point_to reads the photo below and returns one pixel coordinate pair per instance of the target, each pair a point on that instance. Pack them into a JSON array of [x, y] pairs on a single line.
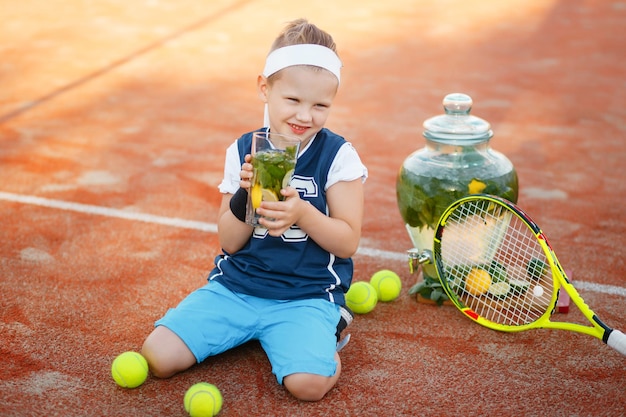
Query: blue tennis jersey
[[291, 266]]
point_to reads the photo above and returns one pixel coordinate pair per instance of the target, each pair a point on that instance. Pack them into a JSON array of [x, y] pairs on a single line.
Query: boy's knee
[[308, 387], [166, 354], [158, 366]]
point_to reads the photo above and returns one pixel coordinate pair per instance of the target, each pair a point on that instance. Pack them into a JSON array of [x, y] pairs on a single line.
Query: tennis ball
[[203, 400], [387, 285], [129, 369], [361, 297]]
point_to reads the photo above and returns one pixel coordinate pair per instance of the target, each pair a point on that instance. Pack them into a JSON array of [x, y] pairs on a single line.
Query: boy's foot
[[344, 321], [343, 343]]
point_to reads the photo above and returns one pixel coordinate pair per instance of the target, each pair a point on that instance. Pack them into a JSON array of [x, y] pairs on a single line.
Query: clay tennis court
[[114, 119]]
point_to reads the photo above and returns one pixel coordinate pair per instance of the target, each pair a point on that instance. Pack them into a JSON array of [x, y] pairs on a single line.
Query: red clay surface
[[126, 108]]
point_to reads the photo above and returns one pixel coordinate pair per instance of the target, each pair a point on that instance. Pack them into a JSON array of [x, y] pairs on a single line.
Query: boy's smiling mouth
[[297, 128]]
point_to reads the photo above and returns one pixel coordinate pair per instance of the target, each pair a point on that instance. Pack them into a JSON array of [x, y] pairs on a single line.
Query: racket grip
[[617, 340]]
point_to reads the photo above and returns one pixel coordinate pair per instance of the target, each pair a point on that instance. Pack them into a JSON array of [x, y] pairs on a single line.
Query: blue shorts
[[297, 336]]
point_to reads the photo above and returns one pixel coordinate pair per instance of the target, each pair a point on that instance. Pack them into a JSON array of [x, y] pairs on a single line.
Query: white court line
[[212, 228], [108, 212]]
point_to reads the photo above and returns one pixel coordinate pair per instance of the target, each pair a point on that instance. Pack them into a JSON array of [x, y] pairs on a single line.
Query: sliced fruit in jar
[[496, 270], [477, 282], [499, 289], [475, 186]]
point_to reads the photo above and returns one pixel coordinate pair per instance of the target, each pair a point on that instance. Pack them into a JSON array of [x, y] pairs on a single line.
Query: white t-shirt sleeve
[[346, 166], [232, 169]]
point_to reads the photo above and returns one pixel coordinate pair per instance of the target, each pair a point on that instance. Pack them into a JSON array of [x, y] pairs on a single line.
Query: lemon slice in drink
[[268, 195], [287, 178], [256, 195]]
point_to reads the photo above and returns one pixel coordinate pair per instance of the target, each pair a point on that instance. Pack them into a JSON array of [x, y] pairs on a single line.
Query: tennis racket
[[496, 265]]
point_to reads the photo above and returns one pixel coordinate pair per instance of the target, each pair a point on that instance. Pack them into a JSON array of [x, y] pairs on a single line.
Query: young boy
[[282, 282]]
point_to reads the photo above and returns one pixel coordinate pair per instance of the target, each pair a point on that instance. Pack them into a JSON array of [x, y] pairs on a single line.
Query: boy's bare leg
[[311, 387], [166, 353]]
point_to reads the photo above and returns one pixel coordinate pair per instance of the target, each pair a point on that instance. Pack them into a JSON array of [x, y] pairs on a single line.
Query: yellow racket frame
[[559, 278]]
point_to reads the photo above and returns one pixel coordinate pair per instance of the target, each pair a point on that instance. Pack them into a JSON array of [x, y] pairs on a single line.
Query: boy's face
[[299, 100]]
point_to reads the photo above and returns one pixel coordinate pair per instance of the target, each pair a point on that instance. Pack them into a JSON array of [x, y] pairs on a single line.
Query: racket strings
[[494, 264]]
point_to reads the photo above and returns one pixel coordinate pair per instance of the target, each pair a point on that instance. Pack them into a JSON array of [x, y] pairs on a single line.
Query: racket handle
[[617, 340]]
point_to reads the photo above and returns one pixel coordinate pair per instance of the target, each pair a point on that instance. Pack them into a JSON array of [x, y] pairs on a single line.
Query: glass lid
[[457, 125]]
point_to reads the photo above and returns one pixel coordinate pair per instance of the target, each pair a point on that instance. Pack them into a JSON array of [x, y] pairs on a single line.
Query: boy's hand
[[279, 216], [246, 173]]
